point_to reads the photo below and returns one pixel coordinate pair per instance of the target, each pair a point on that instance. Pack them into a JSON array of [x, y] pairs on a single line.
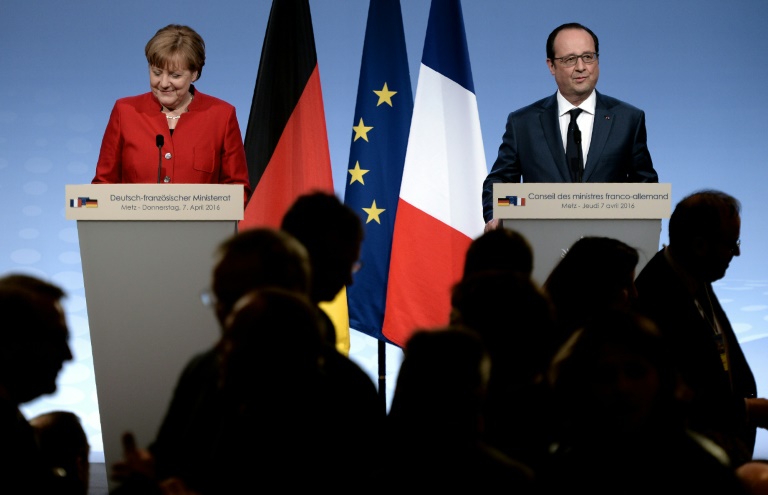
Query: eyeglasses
[[571, 60], [732, 246]]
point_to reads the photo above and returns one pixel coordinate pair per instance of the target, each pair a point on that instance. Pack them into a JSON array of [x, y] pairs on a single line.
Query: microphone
[[159, 141]]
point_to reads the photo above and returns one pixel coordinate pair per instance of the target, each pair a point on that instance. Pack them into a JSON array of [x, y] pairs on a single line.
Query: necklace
[[169, 116]]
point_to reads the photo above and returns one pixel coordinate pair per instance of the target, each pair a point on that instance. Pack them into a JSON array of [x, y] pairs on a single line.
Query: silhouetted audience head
[[271, 335], [37, 285], [35, 338], [597, 273], [434, 437], [65, 450], [510, 313], [499, 249], [704, 231], [615, 375], [754, 475], [622, 425], [442, 381], [256, 258], [282, 424], [332, 233]]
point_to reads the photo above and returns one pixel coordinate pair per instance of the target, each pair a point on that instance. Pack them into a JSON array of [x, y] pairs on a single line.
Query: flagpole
[[383, 373]]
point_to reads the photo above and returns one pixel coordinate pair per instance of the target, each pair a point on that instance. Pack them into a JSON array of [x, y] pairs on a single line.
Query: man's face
[[575, 83], [40, 359], [720, 249]]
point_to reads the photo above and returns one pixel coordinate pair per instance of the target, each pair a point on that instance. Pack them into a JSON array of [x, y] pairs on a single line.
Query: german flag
[[286, 142]]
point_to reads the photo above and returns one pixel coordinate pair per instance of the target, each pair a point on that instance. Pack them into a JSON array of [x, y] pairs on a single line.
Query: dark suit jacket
[[717, 408], [532, 147], [206, 147]]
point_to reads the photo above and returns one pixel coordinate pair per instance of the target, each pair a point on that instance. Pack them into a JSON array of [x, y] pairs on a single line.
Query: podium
[[554, 216], [147, 252]]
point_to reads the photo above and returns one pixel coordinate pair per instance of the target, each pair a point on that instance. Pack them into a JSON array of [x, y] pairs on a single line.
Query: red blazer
[[206, 146]]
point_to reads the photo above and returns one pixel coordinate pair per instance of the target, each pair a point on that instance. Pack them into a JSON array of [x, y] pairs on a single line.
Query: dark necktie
[[573, 152]]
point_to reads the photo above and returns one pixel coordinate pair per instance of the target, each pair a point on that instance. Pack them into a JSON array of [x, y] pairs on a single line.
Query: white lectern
[[147, 252], [554, 216]]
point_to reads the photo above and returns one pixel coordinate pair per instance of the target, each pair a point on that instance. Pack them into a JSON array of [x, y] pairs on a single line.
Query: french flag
[[439, 212]]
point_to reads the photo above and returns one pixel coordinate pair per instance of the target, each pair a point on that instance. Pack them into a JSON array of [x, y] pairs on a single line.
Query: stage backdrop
[[697, 67]]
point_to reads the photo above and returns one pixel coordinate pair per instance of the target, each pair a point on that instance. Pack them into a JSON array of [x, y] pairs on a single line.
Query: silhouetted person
[[65, 449], [434, 441], [516, 322], [499, 249], [675, 290], [621, 425], [283, 415], [248, 260], [595, 274], [34, 348], [332, 233]]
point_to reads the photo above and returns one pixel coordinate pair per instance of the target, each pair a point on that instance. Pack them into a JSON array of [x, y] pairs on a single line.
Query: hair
[[332, 233], [34, 284], [499, 249], [270, 330], [577, 365], [176, 43], [569, 25], [509, 311], [303, 220], [443, 377], [256, 258], [65, 448], [589, 277], [699, 213], [624, 327]]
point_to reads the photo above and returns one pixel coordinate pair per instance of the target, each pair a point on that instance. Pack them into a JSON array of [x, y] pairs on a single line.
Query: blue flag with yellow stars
[[380, 131]]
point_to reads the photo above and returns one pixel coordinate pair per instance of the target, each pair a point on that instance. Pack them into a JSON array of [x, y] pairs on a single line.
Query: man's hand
[[135, 462], [492, 225]]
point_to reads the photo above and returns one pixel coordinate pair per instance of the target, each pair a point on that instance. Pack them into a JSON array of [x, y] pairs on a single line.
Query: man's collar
[[588, 105]]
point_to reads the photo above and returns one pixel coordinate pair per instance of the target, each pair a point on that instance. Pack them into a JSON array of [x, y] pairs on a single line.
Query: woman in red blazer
[[174, 133]]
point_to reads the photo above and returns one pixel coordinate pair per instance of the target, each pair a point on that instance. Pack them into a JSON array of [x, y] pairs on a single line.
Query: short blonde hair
[[176, 42]]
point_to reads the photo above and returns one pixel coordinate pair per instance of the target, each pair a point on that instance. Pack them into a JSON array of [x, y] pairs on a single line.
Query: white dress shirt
[[585, 120]]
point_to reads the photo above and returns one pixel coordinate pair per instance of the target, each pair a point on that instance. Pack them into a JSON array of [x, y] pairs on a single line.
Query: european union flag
[[380, 128]]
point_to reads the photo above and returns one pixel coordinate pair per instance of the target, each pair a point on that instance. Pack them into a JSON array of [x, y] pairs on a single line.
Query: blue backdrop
[[64, 64]]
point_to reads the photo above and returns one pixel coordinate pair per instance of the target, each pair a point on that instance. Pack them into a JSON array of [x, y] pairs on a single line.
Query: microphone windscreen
[[159, 140]]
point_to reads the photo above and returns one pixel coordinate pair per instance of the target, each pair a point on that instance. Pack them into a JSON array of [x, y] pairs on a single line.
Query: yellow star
[[361, 131], [385, 95], [373, 213], [357, 174]]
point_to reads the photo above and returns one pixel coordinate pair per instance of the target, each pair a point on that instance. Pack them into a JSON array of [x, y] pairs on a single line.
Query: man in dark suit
[[533, 148], [675, 290], [35, 347]]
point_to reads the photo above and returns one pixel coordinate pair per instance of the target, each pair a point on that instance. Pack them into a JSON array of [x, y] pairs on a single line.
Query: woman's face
[[170, 84]]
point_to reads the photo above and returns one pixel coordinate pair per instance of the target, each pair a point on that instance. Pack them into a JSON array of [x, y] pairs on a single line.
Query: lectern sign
[[154, 202], [583, 200], [552, 216]]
